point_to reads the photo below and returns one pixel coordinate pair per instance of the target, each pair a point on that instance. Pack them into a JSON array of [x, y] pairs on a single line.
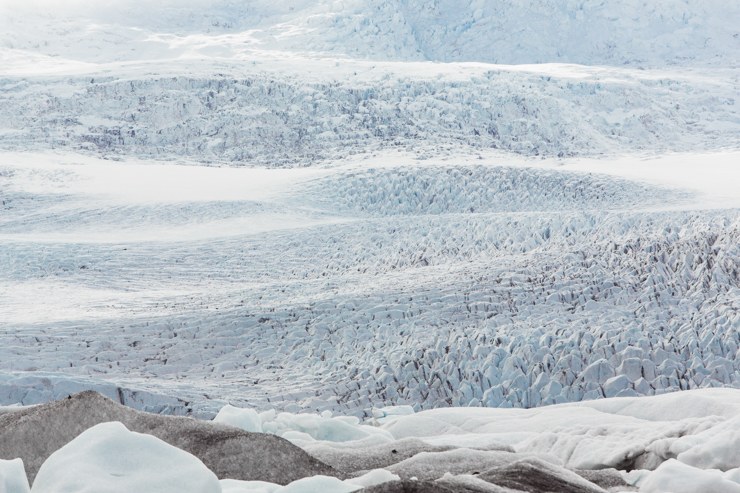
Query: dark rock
[[408, 486], [534, 475], [428, 466], [609, 479], [466, 483], [33, 434], [371, 457]]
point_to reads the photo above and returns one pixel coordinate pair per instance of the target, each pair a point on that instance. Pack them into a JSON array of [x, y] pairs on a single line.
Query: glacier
[[379, 220]]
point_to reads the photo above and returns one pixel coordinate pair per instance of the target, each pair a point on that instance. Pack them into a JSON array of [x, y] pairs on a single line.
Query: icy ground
[[689, 440], [268, 205], [682, 442], [316, 210], [382, 280]]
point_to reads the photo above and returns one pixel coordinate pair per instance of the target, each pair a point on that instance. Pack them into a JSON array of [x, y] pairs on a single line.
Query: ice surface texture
[[293, 83], [281, 119], [379, 277], [427, 241], [419, 285]]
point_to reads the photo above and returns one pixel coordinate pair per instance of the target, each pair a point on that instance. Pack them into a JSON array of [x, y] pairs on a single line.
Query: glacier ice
[[13, 477], [293, 218], [244, 418], [676, 477], [225, 450], [109, 457]]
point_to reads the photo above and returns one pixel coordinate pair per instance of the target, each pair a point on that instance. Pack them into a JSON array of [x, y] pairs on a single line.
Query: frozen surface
[[300, 83], [674, 477], [533, 473], [109, 457], [353, 218], [309, 112], [570, 445], [246, 419], [500, 282], [573, 447], [13, 477]]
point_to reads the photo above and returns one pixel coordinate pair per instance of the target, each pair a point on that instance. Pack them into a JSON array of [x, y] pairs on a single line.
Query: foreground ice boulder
[[675, 477], [108, 457], [35, 433], [13, 477]]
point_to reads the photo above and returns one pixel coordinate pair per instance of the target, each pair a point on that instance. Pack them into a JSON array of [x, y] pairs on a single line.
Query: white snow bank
[[674, 477], [244, 418], [716, 448], [109, 457], [596, 434], [13, 477]]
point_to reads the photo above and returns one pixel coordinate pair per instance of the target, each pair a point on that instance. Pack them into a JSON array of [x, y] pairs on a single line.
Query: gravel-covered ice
[[672, 442]]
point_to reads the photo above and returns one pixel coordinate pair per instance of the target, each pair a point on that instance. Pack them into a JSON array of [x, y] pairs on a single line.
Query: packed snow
[[502, 236]]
